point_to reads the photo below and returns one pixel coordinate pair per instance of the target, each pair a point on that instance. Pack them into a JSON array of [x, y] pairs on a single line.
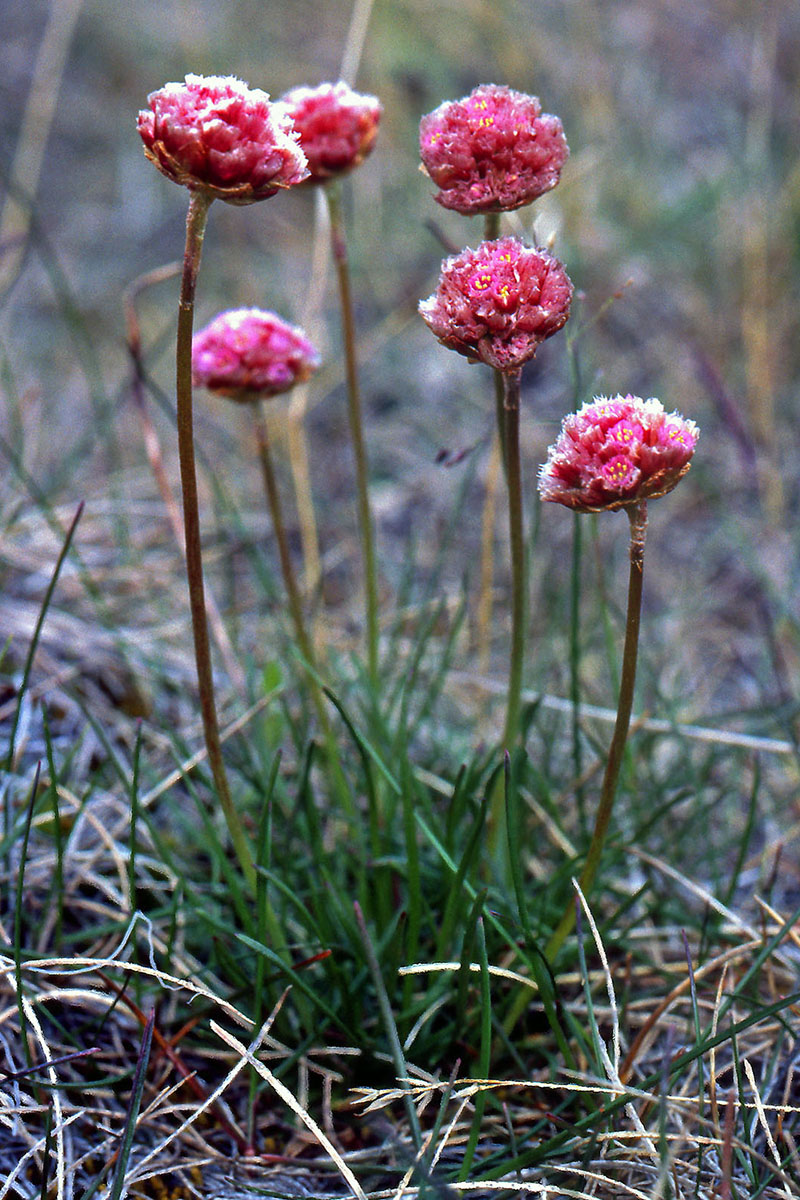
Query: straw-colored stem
[[297, 444], [637, 514], [296, 609], [195, 229], [287, 569], [339, 247], [279, 529]]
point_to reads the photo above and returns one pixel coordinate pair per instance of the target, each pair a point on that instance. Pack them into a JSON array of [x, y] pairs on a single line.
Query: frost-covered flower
[[247, 353], [215, 134], [499, 302], [614, 452], [337, 127], [493, 151]]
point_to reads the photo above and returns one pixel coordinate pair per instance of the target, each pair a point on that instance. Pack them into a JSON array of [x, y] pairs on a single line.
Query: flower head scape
[[615, 452], [247, 353], [337, 127], [499, 302], [493, 151], [215, 134]]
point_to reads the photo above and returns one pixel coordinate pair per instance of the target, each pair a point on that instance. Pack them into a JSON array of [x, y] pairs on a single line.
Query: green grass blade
[[26, 671], [389, 1026], [484, 1058], [129, 1130], [18, 910]]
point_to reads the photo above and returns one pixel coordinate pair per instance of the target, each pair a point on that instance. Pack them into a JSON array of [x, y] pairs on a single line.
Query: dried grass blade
[[248, 1058]]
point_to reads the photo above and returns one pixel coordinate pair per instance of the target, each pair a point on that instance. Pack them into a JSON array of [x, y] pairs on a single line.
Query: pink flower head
[[615, 452], [337, 127], [217, 135], [247, 353], [493, 151], [497, 303]]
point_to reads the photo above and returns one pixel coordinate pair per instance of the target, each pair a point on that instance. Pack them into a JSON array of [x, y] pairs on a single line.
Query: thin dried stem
[[339, 246]]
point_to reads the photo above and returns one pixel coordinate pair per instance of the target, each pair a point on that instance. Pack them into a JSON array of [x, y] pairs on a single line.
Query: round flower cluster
[[337, 127], [499, 302], [616, 452], [493, 151], [247, 353], [215, 134]]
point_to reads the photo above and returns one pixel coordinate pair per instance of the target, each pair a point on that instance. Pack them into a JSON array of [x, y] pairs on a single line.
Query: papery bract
[[499, 302], [217, 135], [247, 353], [615, 452], [337, 127], [493, 151]]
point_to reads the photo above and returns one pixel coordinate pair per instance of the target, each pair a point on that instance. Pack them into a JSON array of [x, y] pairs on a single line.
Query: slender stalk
[[500, 417], [574, 665], [511, 380], [279, 528], [297, 445], [297, 437], [637, 514], [156, 459], [491, 231], [516, 533], [296, 606], [195, 229], [339, 247], [287, 569], [491, 226], [484, 613]]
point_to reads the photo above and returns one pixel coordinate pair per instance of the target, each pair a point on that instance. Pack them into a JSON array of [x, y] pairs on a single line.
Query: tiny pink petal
[[337, 127], [498, 303], [616, 452], [217, 135], [493, 151], [246, 353]]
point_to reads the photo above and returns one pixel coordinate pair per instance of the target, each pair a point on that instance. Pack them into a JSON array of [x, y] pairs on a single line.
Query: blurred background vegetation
[[678, 218]]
